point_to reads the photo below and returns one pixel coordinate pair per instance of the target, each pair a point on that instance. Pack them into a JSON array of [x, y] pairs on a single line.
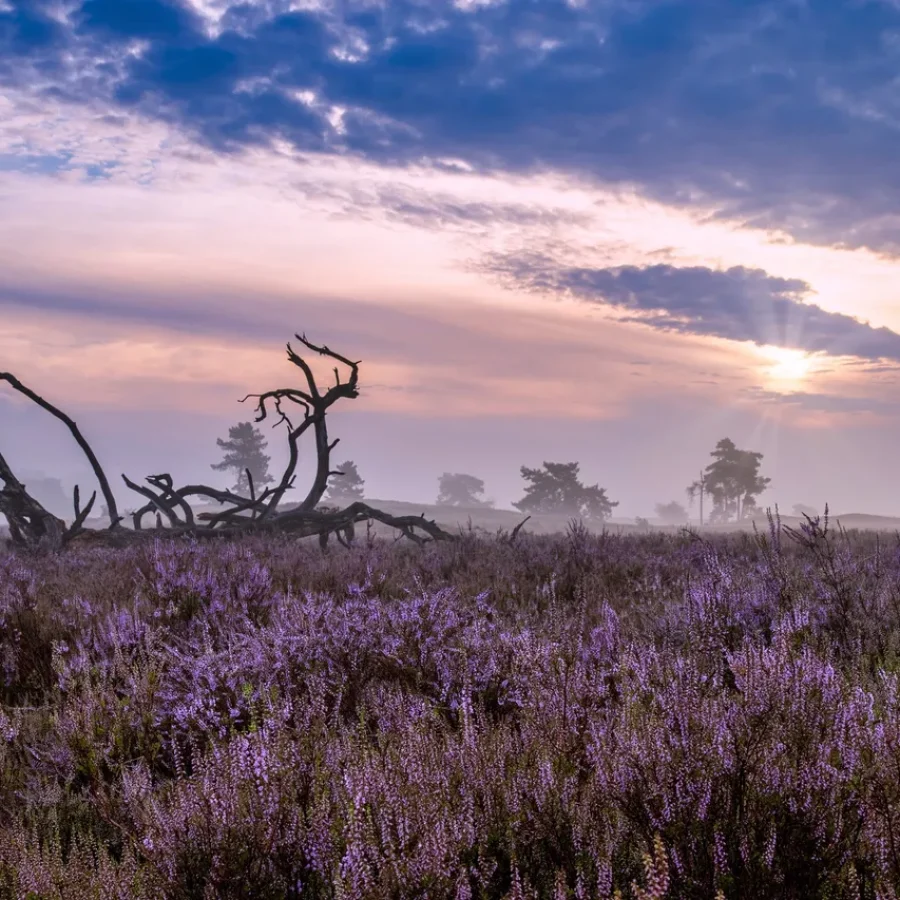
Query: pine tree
[[346, 488], [556, 489], [732, 481], [460, 490], [244, 450]]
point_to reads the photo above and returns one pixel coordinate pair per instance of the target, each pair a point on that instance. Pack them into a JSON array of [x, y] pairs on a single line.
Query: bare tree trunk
[[702, 486]]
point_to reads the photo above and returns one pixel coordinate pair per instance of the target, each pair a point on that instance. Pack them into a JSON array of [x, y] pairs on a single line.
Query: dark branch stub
[[30, 525], [33, 527]]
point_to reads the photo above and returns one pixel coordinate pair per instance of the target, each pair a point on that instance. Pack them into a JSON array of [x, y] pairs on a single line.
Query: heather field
[[568, 716]]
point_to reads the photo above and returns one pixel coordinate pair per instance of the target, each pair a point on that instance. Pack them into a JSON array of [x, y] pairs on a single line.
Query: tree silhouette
[[733, 481], [672, 513], [802, 509], [458, 489], [696, 488], [244, 450], [347, 486], [556, 489], [34, 528], [48, 492]]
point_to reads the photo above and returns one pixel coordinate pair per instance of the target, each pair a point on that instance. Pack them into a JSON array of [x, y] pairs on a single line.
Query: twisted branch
[[33, 526]]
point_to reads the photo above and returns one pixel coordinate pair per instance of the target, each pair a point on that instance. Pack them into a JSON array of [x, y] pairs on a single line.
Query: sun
[[788, 367]]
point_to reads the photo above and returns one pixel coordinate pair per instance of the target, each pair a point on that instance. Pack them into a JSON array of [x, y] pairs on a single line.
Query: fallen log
[[32, 527]]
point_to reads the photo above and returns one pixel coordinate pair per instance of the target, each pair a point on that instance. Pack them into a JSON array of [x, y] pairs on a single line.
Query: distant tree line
[[728, 487]]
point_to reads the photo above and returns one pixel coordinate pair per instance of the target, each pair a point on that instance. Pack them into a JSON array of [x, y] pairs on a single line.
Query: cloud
[[827, 403], [738, 304], [143, 308], [434, 210], [783, 115]]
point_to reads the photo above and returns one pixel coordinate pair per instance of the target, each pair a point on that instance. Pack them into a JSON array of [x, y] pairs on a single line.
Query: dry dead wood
[[33, 527]]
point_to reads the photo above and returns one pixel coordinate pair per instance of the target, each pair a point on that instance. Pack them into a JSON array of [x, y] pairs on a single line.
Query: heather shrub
[[577, 716]]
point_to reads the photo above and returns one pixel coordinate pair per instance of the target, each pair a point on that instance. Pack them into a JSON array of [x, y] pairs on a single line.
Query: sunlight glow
[[787, 367]]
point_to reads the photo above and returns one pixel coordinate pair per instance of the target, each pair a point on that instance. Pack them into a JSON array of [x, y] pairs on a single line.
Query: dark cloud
[[738, 304], [781, 113], [149, 19]]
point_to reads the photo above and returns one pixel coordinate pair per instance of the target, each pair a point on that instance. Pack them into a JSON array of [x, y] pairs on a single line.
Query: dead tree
[[33, 527]]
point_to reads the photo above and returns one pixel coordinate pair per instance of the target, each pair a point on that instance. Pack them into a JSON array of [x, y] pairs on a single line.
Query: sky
[[610, 232]]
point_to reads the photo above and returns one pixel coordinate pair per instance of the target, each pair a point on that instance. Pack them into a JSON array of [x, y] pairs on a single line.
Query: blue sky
[[612, 232]]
